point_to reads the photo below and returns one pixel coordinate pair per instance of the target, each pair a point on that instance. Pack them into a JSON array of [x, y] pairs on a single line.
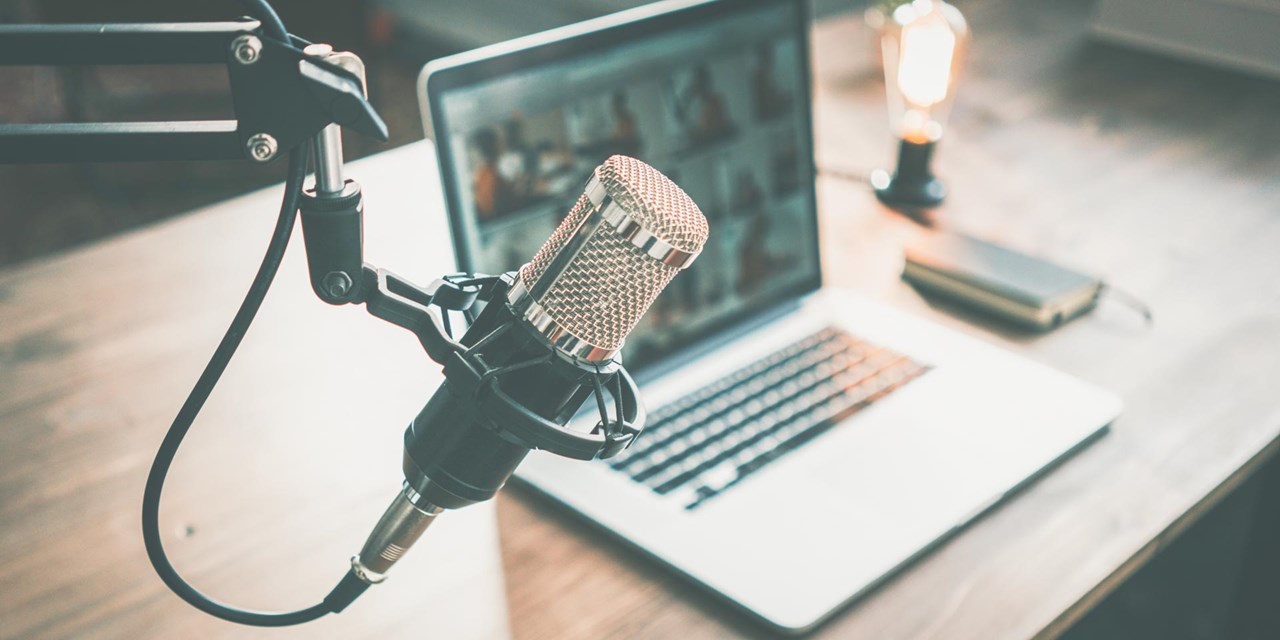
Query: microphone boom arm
[[282, 96]]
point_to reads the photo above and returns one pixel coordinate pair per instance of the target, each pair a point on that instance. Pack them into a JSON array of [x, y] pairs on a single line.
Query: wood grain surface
[[1158, 175]]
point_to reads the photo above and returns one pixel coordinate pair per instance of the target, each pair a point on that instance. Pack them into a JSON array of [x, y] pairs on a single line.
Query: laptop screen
[[718, 102]]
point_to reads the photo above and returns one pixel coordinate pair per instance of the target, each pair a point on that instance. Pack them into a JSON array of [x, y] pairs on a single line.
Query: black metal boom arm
[[281, 95]]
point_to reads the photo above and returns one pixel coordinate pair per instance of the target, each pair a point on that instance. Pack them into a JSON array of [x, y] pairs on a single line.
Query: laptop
[[803, 443]]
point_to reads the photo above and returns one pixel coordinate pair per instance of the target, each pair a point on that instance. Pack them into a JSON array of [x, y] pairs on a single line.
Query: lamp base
[[912, 187], [897, 193]]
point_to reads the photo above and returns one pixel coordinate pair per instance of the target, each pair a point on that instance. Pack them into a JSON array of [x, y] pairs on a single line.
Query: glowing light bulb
[[923, 42], [924, 67]]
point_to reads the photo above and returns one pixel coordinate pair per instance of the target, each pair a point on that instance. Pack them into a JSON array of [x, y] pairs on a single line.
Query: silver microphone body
[[540, 348]]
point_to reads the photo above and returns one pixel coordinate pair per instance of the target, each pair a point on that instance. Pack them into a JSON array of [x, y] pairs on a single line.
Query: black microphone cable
[[350, 587], [270, 20]]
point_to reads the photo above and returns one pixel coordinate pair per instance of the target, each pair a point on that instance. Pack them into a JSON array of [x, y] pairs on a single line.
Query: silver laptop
[[802, 443]]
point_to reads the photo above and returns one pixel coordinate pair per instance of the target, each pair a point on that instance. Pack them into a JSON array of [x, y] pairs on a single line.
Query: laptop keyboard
[[709, 440]]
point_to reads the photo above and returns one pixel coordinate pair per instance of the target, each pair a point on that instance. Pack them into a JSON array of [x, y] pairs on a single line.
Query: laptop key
[[707, 441]]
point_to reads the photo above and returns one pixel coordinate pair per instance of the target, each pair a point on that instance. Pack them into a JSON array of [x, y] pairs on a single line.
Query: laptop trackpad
[[918, 476]]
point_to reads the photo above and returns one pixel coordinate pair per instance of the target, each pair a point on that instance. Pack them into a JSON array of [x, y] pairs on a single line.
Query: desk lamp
[[924, 43]]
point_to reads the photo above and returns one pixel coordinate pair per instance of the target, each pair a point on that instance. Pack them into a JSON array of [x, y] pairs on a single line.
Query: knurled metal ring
[[631, 230]]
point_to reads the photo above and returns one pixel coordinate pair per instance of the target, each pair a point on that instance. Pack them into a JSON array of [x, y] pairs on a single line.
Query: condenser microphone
[[547, 341]]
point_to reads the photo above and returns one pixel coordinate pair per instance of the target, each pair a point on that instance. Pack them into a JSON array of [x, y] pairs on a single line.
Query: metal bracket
[[424, 310], [281, 96]]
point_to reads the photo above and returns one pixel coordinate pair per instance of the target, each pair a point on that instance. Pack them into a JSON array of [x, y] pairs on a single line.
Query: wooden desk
[[1158, 175]]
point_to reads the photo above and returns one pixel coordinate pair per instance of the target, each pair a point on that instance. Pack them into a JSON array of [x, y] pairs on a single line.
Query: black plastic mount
[[333, 230], [426, 312], [611, 435], [277, 91]]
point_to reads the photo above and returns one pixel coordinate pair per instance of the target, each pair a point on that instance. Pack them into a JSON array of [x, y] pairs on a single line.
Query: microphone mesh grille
[[534, 269], [603, 292], [657, 203]]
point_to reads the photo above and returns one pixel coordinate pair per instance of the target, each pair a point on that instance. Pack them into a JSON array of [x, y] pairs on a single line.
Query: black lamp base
[[901, 194], [912, 187]]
